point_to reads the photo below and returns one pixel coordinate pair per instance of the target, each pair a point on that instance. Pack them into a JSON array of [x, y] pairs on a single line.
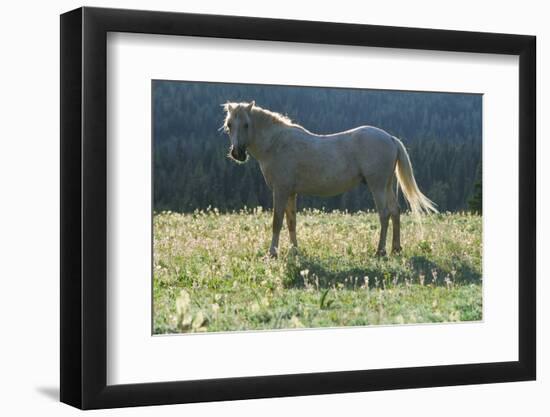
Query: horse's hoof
[[380, 253], [293, 250], [396, 251], [271, 255]]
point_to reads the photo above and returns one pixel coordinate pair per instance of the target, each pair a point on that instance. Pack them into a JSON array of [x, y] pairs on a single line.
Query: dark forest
[[442, 132]]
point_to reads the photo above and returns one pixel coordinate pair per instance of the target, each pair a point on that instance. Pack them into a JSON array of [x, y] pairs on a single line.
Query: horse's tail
[[419, 202]]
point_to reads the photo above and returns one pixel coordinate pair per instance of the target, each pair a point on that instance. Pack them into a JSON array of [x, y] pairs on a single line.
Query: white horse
[[295, 161]]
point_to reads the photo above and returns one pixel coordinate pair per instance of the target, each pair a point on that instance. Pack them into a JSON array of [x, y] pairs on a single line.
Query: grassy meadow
[[211, 273]]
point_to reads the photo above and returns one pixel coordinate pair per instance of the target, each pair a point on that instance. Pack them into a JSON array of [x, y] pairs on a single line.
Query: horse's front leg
[[290, 213], [280, 199]]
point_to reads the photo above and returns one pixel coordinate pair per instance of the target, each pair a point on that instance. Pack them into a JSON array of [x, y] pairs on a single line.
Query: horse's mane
[[263, 116], [271, 116]]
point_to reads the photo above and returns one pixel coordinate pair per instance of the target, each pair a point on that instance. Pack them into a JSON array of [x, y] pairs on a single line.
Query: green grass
[[211, 272]]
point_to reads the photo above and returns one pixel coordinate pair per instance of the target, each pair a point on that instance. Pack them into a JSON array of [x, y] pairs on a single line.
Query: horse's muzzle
[[238, 153]]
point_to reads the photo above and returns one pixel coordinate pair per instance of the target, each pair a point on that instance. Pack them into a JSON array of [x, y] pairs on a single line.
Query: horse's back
[[373, 135], [367, 149], [363, 142], [331, 164]]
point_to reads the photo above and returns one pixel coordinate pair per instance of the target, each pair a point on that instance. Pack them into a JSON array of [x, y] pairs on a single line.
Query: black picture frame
[[84, 207]]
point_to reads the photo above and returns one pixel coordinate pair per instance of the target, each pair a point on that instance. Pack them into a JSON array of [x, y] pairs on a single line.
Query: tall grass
[[211, 273]]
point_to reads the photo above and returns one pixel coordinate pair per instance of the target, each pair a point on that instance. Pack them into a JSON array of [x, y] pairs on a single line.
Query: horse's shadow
[[302, 269]]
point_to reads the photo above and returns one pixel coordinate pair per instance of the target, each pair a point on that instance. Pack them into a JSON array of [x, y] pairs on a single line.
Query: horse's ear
[[229, 107], [250, 105]]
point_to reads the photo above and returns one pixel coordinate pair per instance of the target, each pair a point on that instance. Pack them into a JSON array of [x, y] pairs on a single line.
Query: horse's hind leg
[[290, 213], [393, 207], [380, 199]]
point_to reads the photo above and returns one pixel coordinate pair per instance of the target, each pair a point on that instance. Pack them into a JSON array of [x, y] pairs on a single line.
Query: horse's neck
[[264, 140]]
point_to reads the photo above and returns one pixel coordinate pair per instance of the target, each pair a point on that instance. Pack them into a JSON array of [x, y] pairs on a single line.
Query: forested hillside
[[441, 131]]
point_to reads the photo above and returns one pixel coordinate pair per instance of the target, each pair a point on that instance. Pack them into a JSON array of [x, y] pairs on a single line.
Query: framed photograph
[[256, 208]]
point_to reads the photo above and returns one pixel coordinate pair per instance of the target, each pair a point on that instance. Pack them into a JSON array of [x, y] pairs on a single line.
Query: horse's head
[[238, 126]]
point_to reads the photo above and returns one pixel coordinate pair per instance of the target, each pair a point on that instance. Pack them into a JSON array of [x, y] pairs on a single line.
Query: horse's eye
[[229, 125], [246, 125]]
